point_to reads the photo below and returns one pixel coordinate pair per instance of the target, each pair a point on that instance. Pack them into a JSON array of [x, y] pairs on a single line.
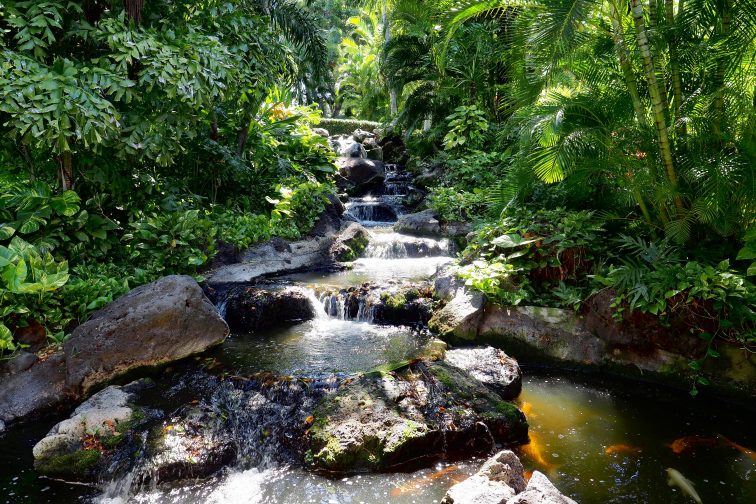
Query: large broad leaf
[[14, 276], [751, 270], [747, 252], [512, 240], [6, 231], [6, 338]]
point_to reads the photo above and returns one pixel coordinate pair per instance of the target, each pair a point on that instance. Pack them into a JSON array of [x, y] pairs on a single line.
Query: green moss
[[111, 441], [442, 376], [77, 464], [394, 301], [354, 249]]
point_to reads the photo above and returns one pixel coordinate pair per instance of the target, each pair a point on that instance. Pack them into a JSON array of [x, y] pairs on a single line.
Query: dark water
[[599, 443]]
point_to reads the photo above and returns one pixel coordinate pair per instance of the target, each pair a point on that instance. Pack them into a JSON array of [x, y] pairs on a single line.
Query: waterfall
[[357, 306], [397, 246]]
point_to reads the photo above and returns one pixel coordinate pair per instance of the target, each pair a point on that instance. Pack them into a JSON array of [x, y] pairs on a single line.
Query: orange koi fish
[[683, 444], [740, 448], [415, 485], [527, 410], [622, 448], [534, 451]]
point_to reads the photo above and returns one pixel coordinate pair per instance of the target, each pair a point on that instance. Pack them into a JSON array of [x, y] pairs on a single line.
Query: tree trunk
[[652, 11], [133, 10], [66, 171], [665, 146], [719, 77], [627, 68], [674, 63], [393, 94], [214, 126], [243, 134]]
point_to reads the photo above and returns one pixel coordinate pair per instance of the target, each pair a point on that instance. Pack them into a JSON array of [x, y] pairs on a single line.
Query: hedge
[[346, 126]]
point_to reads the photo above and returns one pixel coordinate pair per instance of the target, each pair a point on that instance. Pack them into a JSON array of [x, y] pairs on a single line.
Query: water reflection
[[615, 447]]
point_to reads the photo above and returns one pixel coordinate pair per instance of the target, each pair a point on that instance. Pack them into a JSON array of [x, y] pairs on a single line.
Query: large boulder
[[250, 309], [460, 318], [34, 386], [348, 147], [501, 481], [409, 418], [74, 447], [351, 242], [357, 175], [557, 333], [277, 255], [491, 367], [423, 223], [160, 322]]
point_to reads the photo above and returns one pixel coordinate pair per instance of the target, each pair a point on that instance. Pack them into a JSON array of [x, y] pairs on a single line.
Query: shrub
[[347, 126]]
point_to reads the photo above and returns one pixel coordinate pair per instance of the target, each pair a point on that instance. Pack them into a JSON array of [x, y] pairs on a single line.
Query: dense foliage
[[136, 136], [595, 145]]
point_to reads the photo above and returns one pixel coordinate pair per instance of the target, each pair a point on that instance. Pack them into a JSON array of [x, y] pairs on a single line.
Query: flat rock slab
[[491, 367], [410, 418], [423, 223], [160, 322]]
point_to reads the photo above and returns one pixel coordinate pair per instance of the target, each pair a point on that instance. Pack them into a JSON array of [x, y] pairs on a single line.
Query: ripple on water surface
[[320, 346]]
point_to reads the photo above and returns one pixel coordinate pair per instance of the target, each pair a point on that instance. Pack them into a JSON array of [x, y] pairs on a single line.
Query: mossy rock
[[80, 465], [409, 418]]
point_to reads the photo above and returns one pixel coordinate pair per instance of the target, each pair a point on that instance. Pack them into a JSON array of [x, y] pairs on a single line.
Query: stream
[[598, 441]]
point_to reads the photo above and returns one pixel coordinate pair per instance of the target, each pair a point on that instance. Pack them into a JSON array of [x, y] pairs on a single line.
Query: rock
[[20, 362], [361, 135], [423, 223], [478, 489], [375, 154], [457, 229], [273, 257], [461, 317], [193, 445], [357, 175], [491, 367], [351, 243], [446, 283], [394, 150], [403, 307], [347, 147], [250, 309], [372, 149], [62, 452], [401, 420], [505, 467], [34, 390], [160, 322], [501, 481], [540, 491], [370, 143], [321, 132], [429, 177], [557, 333], [277, 255], [374, 211], [2, 427], [33, 337]]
